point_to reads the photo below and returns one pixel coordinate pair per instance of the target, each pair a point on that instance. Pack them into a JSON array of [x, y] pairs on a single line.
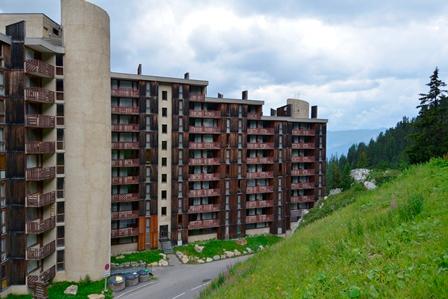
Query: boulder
[[163, 263], [261, 247], [223, 256], [154, 264], [184, 259], [335, 191], [359, 174], [249, 250], [179, 254], [71, 290], [236, 252], [216, 258], [229, 253], [241, 242], [200, 261], [198, 248], [208, 260], [369, 185], [119, 257], [96, 296]]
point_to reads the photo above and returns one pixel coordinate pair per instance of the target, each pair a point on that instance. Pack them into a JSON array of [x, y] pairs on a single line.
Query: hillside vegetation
[[388, 243]]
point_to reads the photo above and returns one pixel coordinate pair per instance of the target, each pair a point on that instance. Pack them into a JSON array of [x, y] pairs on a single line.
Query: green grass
[[12, 296], [391, 242], [56, 290], [148, 256], [217, 247]]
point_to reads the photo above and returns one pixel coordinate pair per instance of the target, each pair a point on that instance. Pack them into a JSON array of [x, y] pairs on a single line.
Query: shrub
[[412, 207]]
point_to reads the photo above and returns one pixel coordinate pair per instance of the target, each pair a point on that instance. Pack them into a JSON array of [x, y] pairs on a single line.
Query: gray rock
[[369, 185], [208, 260], [198, 248], [96, 296], [71, 290], [335, 191], [216, 258], [360, 174], [200, 261]]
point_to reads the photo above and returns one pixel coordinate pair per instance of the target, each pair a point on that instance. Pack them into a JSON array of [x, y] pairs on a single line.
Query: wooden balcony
[[204, 130], [197, 97], [255, 204], [307, 185], [256, 145], [38, 68], [203, 209], [198, 224], [205, 114], [259, 218], [302, 199], [40, 226], [204, 161], [303, 132], [303, 145], [40, 173], [39, 121], [259, 175], [39, 95], [303, 159], [40, 147], [44, 277], [204, 177], [125, 110], [125, 145], [253, 115], [125, 180], [125, 92], [126, 163], [204, 145], [124, 215], [302, 172], [124, 232], [37, 200], [204, 193], [40, 252], [129, 197], [125, 128], [259, 189], [260, 131], [259, 160]]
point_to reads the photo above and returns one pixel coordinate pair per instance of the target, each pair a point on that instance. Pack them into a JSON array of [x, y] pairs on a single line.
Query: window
[[2, 84], [181, 92], [164, 95], [60, 260], [148, 89], [164, 112], [60, 110], [163, 194], [163, 177], [164, 145], [164, 129], [163, 161], [163, 211]]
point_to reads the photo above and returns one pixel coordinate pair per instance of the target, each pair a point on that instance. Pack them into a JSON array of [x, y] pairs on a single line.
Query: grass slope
[[388, 243], [148, 256]]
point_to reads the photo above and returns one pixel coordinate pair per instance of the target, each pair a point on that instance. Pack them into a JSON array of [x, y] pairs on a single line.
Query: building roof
[[233, 101], [114, 75], [31, 13], [293, 119], [4, 38]]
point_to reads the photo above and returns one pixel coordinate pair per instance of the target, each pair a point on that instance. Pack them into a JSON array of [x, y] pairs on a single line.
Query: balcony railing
[[40, 252], [259, 189], [303, 132], [204, 177], [253, 115], [124, 232], [39, 95], [204, 193], [204, 161], [203, 209], [126, 163], [39, 121], [254, 204], [38, 200], [125, 128], [40, 147], [197, 97], [125, 145], [204, 130], [205, 114], [259, 160], [125, 92], [307, 185], [301, 172], [260, 131], [44, 277], [204, 145], [125, 180], [259, 175], [125, 110], [39, 68], [198, 224], [40, 226], [303, 159], [255, 145], [129, 197], [303, 198], [40, 174], [303, 145], [259, 218], [124, 215]]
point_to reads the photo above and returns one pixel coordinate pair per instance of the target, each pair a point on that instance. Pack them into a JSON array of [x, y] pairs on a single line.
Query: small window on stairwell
[[163, 211], [164, 95], [163, 194]]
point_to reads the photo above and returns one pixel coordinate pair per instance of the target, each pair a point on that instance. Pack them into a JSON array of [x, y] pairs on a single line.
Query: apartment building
[[94, 163]]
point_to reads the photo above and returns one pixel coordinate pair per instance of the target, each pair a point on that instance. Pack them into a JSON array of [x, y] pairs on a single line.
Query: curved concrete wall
[[87, 139], [300, 108]]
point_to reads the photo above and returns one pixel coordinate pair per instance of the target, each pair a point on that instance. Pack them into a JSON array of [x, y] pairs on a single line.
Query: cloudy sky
[[362, 61]]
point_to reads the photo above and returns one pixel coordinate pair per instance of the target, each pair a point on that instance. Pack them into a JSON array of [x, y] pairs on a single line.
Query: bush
[[412, 207]]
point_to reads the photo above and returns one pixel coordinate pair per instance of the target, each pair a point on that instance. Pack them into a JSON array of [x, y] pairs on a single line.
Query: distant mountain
[[338, 142]]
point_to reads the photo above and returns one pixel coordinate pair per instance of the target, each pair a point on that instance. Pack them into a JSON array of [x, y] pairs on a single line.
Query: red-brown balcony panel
[[302, 172], [307, 185], [39, 121], [253, 115], [205, 114], [259, 160], [125, 145], [39, 95], [124, 232], [198, 224], [204, 145], [124, 110], [40, 173], [44, 277], [259, 175], [303, 159], [125, 180], [125, 128], [204, 193], [256, 145], [37, 200], [197, 97], [40, 147], [124, 215], [129, 197], [203, 209], [255, 204], [204, 177], [38, 68], [259, 189], [204, 161], [40, 226], [303, 145], [40, 252], [303, 132], [126, 163], [204, 130], [259, 218], [260, 131], [303, 198], [125, 92]]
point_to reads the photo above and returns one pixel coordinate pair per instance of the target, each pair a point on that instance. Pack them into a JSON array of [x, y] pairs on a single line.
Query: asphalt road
[[178, 281]]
